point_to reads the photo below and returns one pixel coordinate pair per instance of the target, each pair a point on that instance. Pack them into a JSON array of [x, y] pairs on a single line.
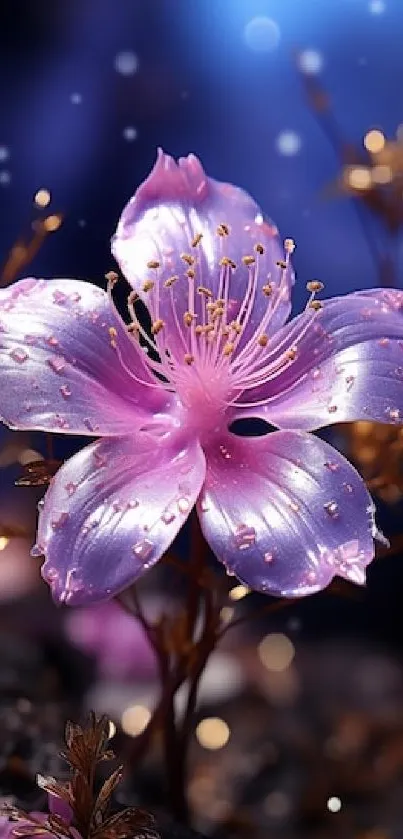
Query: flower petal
[[60, 366], [112, 511], [174, 205], [348, 365], [286, 512]]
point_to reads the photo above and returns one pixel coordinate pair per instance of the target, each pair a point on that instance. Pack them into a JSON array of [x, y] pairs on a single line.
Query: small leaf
[[104, 796]]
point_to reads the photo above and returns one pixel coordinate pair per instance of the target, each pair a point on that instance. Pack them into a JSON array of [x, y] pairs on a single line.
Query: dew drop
[[58, 363], [65, 390], [19, 355], [132, 505], [348, 487], [143, 550], [59, 297], [268, 557], [52, 341], [293, 505], [332, 509], [60, 521], [245, 537], [183, 504], [71, 488], [333, 467], [168, 516]]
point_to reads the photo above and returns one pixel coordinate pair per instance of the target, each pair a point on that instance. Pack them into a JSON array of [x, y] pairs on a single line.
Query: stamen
[[170, 281], [315, 304], [191, 273], [153, 264], [315, 285], [188, 318], [197, 239], [157, 326], [263, 340], [148, 285], [201, 289], [225, 260], [248, 260], [113, 335], [259, 248], [223, 230], [189, 358], [267, 289], [112, 278], [289, 246], [188, 258], [228, 348]]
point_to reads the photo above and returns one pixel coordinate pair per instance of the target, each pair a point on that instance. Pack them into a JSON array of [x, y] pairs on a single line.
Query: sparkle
[[288, 143]]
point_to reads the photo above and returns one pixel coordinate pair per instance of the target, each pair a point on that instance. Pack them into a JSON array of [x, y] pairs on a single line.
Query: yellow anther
[[188, 318], [292, 353], [289, 245], [267, 290], [189, 359], [133, 296], [112, 335], [188, 258], [208, 328], [248, 260], [153, 264], [197, 239], [218, 313], [220, 301], [191, 273], [281, 263], [148, 285], [223, 230], [263, 341], [157, 326], [199, 330], [201, 289], [259, 248], [226, 261], [236, 327], [112, 277], [314, 285], [133, 327], [225, 331], [315, 305], [211, 307], [170, 281], [228, 348]]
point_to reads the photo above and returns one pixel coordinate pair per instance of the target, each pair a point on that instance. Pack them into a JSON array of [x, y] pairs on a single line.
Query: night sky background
[[91, 88]]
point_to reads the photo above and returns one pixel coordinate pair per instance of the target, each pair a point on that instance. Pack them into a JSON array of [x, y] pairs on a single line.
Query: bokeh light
[[126, 63], [262, 34], [4, 154], [310, 62], [5, 177], [76, 98], [130, 133], [238, 592], [381, 174], [359, 177], [213, 733], [334, 804], [52, 223], [288, 143], [42, 198], [377, 7], [276, 652], [135, 719], [3, 542], [374, 141]]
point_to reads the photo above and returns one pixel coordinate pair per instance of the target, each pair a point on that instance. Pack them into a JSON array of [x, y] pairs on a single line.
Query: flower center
[[200, 344]]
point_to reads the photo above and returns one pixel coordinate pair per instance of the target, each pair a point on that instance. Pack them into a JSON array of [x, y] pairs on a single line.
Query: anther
[[133, 297], [201, 289], [112, 277], [188, 318], [191, 273], [281, 263], [197, 239], [199, 330], [228, 348], [170, 281], [153, 264], [189, 359], [314, 285], [157, 326], [148, 285], [292, 353], [218, 313], [113, 335], [259, 248], [289, 245], [133, 327], [263, 341], [223, 230], [188, 258], [248, 260], [227, 261], [315, 305], [267, 289], [236, 327]]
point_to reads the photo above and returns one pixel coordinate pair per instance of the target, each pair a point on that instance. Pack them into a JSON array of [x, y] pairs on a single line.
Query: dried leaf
[[38, 473], [104, 796], [58, 826], [132, 823]]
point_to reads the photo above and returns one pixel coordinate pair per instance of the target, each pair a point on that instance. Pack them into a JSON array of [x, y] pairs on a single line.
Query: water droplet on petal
[[168, 516], [58, 363], [19, 355], [183, 504], [333, 467], [245, 537], [143, 550], [268, 557], [332, 509], [65, 390], [61, 520]]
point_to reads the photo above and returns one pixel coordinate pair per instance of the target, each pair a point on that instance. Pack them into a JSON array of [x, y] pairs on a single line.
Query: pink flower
[[284, 512]]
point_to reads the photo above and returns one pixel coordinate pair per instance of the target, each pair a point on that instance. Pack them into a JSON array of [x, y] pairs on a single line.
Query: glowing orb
[[262, 34], [288, 143], [126, 63]]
